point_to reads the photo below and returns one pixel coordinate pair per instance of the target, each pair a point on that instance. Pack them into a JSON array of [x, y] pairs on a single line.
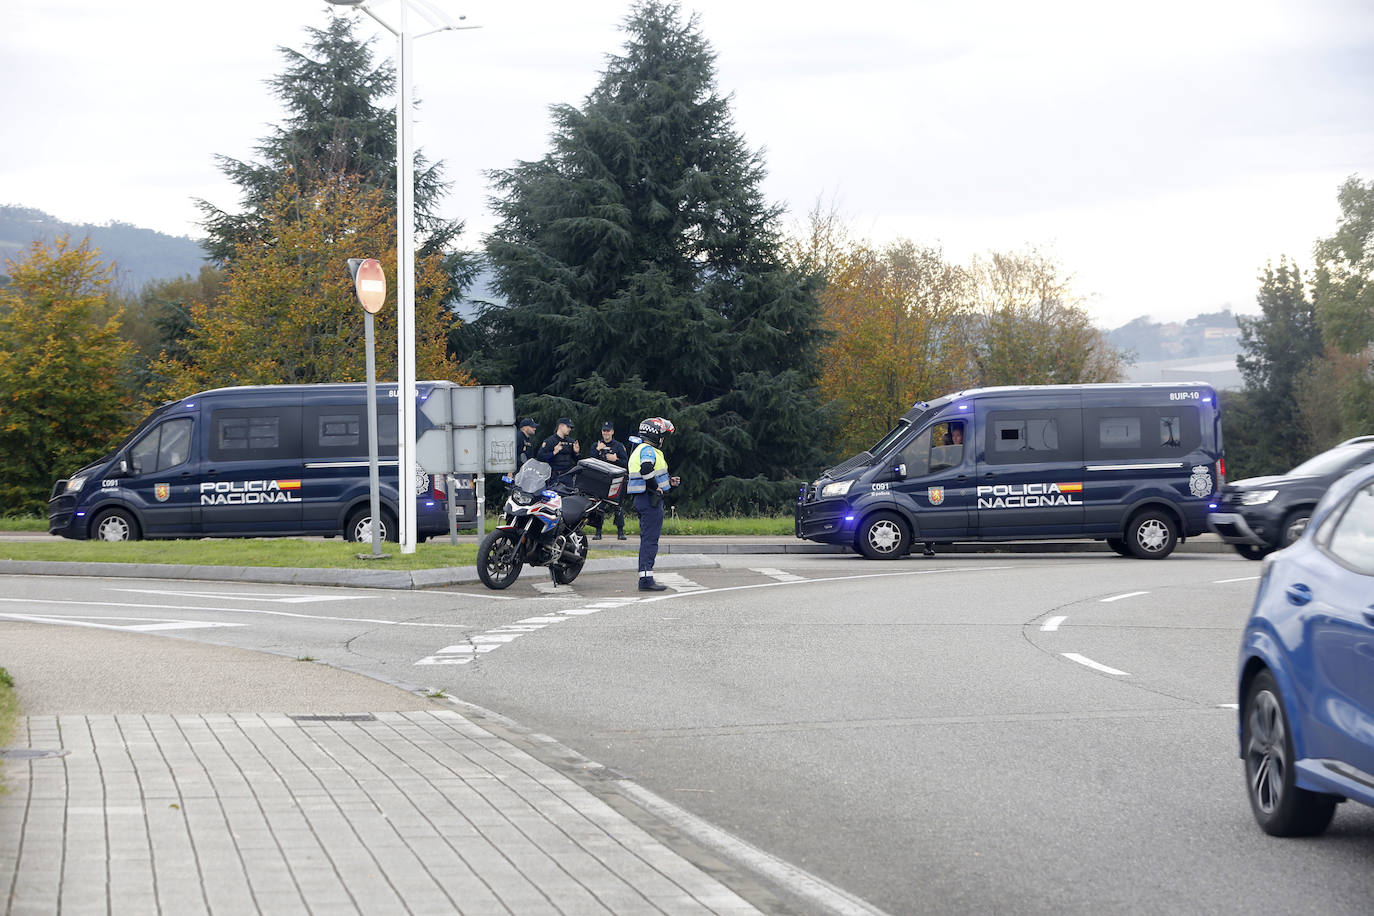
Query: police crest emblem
[[162, 491], [1200, 484], [936, 494]]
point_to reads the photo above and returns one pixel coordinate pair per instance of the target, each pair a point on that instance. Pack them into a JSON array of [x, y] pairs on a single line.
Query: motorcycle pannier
[[600, 479]]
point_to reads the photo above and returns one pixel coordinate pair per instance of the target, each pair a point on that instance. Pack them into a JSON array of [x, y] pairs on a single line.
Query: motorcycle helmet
[[654, 429]]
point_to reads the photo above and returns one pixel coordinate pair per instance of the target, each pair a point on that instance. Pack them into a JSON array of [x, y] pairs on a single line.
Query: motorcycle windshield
[[532, 477]]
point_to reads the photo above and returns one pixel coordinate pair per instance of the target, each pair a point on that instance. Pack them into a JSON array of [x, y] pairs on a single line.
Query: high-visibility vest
[[646, 453]]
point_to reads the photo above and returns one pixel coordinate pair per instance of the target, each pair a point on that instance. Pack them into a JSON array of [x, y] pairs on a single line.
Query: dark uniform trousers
[[650, 509]]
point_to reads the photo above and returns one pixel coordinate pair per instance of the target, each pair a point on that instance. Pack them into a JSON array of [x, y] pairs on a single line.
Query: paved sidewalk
[[297, 801]]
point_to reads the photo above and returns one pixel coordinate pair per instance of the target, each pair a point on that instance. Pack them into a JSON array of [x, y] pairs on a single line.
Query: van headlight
[[75, 484], [1258, 497], [832, 490]]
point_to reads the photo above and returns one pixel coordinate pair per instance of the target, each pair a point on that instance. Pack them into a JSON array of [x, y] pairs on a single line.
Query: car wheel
[[1253, 551], [359, 527], [1280, 807], [114, 525], [883, 537], [1118, 546], [1294, 524], [1151, 535]]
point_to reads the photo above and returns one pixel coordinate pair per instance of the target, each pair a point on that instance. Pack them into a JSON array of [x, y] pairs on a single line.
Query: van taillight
[[1221, 472], [440, 490]]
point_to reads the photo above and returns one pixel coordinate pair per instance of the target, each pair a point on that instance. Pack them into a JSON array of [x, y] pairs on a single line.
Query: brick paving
[[393, 812]]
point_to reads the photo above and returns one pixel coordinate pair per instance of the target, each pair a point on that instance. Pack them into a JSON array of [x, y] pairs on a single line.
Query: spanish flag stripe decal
[[288, 484], [1070, 488]]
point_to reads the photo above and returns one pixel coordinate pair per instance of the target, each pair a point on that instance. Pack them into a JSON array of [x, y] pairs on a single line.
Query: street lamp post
[[405, 250]]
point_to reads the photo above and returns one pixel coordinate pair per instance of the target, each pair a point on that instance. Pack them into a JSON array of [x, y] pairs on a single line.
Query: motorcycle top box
[[600, 479]]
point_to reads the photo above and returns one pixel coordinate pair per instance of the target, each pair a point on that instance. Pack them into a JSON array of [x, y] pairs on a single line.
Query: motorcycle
[[540, 526]]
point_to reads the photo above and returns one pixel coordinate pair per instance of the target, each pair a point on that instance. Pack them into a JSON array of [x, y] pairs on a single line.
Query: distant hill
[[139, 255], [1203, 348]]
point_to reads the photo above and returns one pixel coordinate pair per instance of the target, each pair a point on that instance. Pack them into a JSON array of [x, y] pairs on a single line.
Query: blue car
[[1307, 669]]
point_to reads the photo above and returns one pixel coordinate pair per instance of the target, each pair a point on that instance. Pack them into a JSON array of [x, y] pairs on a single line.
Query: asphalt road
[[929, 734]]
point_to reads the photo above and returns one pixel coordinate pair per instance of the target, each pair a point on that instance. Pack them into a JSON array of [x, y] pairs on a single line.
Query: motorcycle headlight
[[520, 498], [1258, 497], [75, 484], [831, 490]]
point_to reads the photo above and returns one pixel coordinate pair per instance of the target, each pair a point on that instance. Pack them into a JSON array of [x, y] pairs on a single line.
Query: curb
[[355, 578]]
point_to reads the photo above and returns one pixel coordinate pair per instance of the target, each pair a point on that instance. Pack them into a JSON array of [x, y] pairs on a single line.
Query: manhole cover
[[30, 753], [356, 717]]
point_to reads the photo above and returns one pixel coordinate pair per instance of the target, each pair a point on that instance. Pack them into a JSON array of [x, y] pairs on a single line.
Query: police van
[[1133, 465], [254, 461]]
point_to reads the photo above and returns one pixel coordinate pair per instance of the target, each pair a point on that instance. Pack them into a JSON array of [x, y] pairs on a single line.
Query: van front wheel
[[883, 537], [1151, 535], [114, 525]]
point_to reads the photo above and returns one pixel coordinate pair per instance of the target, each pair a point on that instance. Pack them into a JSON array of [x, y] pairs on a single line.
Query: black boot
[[597, 536], [647, 584], [620, 534]]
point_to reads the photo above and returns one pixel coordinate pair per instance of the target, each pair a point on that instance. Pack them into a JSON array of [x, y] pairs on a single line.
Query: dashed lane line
[[1096, 666], [779, 574], [1121, 596], [1051, 625]]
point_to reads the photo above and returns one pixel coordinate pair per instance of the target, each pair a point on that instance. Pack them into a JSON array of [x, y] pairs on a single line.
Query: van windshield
[[887, 441]]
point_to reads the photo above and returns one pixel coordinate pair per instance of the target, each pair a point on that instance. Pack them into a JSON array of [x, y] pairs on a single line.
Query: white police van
[[1136, 466], [254, 461]]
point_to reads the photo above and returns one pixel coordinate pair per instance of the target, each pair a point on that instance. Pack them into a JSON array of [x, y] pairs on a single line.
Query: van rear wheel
[[1151, 535], [883, 537], [359, 527], [114, 525]]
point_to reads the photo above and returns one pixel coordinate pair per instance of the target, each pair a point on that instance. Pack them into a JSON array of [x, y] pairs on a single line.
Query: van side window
[[1119, 432], [1142, 432], [255, 433], [163, 447], [340, 431], [916, 456], [1038, 434], [947, 450]]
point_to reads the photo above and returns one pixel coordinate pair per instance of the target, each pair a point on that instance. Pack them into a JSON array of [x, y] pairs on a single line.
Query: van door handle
[[990, 474]]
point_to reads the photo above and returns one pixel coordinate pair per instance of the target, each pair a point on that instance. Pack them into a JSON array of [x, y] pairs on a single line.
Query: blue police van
[[1136, 466], [250, 462]]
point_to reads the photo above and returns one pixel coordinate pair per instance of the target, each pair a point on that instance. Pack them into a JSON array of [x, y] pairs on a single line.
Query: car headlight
[[831, 490], [1258, 497], [75, 484]]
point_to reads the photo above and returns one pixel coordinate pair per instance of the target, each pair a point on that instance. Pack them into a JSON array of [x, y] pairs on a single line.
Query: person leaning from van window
[[525, 445], [560, 450]]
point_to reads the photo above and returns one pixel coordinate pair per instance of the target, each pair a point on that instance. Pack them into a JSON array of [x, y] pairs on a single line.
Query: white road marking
[[1096, 666], [232, 610], [678, 582], [1125, 595], [157, 623], [778, 574], [1241, 579], [484, 595], [1051, 625], [446, 660], [1228, 706], [221, 596], [542, 620], [558, 591], [740, 588]]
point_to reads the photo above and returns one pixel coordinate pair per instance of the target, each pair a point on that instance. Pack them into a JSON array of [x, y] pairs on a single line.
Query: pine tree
[[62, 370], [337, 123], [643, 274], [1279, 346]]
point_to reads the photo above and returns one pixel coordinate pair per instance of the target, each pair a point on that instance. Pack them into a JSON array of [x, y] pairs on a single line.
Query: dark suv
[[1259, 515]]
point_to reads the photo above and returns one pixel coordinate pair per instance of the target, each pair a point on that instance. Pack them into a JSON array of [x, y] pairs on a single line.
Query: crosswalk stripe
[[677, 582], [778, 574]]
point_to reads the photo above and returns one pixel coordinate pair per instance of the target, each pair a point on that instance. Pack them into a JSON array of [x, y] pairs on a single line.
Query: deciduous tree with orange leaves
[[288, 313], [63, 363]]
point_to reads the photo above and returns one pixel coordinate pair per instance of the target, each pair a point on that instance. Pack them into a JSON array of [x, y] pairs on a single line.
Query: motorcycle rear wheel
[[498, 561], [566, 573]]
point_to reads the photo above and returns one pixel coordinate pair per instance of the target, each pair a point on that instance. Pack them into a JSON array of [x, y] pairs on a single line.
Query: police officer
[[524, 441], [560, 450], [612, 450], [648, 483]]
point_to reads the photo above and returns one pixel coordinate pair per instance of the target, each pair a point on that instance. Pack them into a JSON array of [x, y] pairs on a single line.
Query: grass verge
[[9, 717], [23, 523]]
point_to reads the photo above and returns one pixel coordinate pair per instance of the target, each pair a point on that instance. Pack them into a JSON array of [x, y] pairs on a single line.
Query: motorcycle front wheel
[[498, 560]]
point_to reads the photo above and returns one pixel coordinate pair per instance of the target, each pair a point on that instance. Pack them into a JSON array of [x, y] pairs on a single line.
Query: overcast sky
[[1162, 151]]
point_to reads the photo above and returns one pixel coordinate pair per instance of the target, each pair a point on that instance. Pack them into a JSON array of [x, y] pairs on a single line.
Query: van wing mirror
[[124, 469], [899, 471]]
